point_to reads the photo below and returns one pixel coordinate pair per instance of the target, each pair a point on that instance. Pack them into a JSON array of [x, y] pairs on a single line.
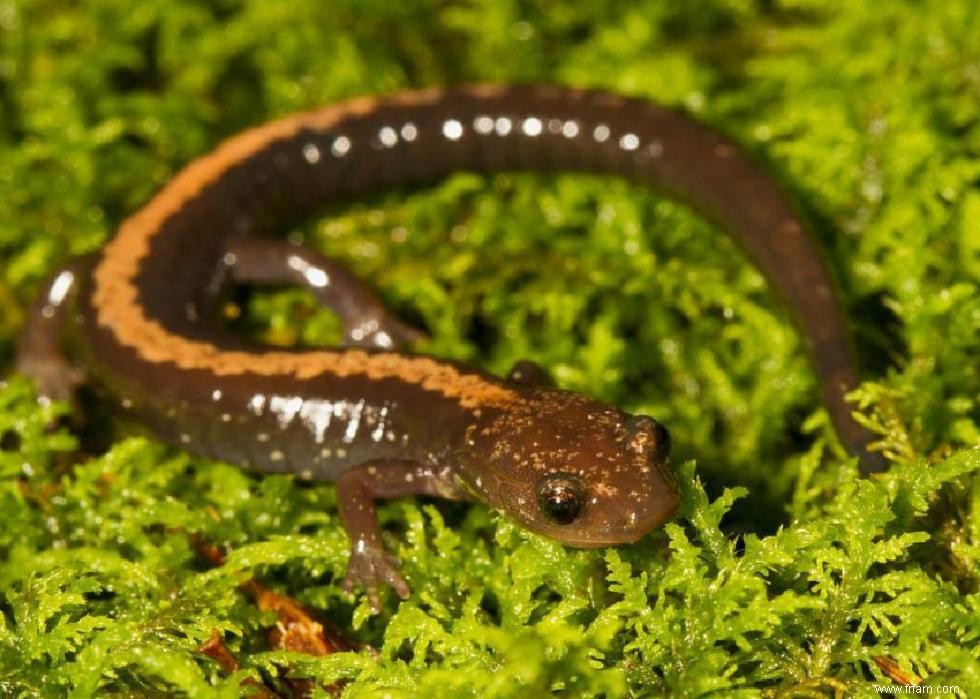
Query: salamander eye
[[561, 496]]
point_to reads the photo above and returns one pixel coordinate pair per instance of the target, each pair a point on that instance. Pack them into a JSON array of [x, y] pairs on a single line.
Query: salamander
[[138, 320]]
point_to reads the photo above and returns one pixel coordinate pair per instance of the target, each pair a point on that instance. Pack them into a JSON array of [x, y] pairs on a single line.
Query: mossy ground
[[869, 112]]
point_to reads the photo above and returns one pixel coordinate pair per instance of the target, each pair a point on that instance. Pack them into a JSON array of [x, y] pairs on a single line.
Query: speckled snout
[[573, 469]]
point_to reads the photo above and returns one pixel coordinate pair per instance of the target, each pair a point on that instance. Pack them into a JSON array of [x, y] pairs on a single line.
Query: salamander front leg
[[367, 323], [370, 566], [39, 353]]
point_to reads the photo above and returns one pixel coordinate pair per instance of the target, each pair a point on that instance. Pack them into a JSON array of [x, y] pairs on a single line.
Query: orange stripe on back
[[115, 293]]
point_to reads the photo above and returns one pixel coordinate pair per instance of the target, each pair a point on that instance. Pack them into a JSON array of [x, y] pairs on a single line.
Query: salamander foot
[[371, 568]]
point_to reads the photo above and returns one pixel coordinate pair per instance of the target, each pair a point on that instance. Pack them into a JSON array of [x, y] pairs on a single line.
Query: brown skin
[[140, 323], [571, 468]]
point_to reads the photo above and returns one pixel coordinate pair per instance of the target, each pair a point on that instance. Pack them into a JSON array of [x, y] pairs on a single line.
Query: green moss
[[869, 112]]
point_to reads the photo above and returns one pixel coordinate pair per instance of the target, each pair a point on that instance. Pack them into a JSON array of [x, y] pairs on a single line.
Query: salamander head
[[573, 469]]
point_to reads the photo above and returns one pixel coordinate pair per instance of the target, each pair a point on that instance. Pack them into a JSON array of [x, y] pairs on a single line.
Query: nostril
[[648, 436], [643, 426]]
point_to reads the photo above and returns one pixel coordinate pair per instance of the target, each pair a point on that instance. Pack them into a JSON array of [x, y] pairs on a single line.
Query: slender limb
[[367, 323], [357, 488], [530, 374], [39, 353]]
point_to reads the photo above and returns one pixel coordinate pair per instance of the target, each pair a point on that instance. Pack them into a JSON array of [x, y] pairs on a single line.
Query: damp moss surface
[[784, 574]]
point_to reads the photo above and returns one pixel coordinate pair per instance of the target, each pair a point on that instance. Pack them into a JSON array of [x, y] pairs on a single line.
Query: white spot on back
[[532, 126], [409, 131], [354, 422], [341, 146], [452, 129], [286, 408], [379, 430], [60, 288], [629, 141], [654, 149], [257, 404], [387, 136], [483, 125], [311, 153]]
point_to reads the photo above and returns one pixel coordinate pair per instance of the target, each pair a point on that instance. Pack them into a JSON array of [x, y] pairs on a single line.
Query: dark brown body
[[149, 337]]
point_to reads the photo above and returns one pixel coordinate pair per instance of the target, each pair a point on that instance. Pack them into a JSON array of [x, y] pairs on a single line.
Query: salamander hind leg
[[370, 566], [39, 346], [367, 323]]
